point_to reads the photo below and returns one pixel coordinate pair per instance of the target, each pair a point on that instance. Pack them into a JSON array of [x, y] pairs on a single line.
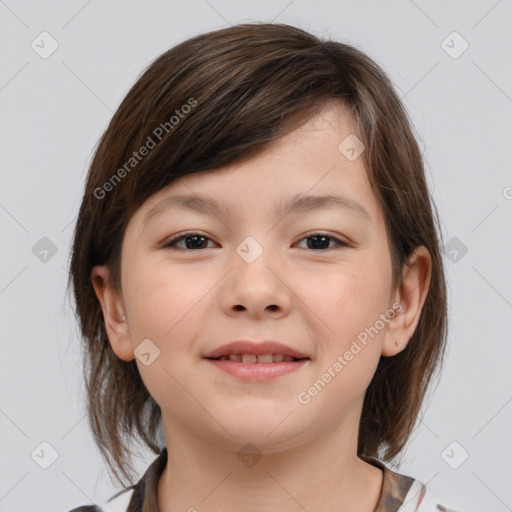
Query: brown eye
[[193, 241], [321, 241]]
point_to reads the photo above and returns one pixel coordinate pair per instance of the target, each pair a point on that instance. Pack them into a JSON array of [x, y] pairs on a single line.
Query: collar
[[394, 487]]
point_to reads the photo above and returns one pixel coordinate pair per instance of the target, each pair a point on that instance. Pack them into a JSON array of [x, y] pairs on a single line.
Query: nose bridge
[[251, 250], [254, 282], [254, 261]]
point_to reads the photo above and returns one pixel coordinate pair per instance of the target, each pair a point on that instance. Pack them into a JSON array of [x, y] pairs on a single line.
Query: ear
[[113, 313], [411, 295]]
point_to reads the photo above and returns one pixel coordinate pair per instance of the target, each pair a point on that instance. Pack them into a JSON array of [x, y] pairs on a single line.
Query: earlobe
[[412, 295], [113, 313]]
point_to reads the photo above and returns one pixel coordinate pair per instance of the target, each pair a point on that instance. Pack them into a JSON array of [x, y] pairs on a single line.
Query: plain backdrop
[[450, 63]]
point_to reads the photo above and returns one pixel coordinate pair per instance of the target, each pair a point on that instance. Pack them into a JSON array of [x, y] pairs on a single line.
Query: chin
[[266, 436]]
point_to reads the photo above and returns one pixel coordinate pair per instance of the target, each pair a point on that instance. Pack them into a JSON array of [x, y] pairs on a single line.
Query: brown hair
[[247, 85]]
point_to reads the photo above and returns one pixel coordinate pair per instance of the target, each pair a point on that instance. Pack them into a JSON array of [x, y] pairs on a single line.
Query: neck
[[322, 475]]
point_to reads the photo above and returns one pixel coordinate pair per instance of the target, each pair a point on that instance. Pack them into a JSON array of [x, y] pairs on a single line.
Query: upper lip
[[249, 347]]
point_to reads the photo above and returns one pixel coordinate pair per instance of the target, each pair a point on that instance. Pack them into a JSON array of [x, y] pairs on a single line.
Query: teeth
[[252, 358], [249, 358]]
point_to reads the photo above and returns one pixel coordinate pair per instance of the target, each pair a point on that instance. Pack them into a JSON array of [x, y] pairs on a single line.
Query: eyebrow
[[295, 204]]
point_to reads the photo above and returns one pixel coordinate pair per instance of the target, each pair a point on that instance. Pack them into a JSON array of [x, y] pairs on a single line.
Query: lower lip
[[257, 371]]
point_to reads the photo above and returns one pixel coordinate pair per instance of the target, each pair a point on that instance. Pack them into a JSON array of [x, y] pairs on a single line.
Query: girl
[[257, 273]]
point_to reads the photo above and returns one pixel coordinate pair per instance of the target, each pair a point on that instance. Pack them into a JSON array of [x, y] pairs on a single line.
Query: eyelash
[[177, 238]]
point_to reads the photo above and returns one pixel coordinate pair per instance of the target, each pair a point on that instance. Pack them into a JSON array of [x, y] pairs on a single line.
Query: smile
[[260, 358]]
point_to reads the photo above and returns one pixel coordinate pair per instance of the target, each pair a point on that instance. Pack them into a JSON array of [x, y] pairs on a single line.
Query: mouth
[[250, 352], [258, 358], [259, 367]]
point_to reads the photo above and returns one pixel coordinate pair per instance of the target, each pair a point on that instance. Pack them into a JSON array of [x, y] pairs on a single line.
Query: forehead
[[310, 161]]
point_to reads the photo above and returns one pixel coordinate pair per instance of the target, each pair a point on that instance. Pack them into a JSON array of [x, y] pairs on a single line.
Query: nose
[[256, 285]]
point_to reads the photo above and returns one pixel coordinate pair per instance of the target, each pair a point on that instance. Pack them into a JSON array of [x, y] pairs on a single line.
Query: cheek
[[350, 296], [162, 301], [164, 306], [347, 306]]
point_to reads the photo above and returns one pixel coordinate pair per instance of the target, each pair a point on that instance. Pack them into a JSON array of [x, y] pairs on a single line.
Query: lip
[[257, 372], [249, 347]]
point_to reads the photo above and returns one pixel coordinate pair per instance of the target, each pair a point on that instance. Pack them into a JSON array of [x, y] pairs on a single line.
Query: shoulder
[[421, 498], [402, 493], [117, 503], [142, 495]]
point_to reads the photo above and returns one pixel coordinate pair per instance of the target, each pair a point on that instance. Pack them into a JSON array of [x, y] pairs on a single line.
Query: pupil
[[195, 244], [322, 243]]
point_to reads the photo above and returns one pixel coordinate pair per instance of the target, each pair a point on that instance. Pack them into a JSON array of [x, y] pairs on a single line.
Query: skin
[[189, 301]]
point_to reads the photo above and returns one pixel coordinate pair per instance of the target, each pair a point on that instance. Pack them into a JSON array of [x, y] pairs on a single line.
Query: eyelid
[[337, 237], [339, 241], [179, 236]]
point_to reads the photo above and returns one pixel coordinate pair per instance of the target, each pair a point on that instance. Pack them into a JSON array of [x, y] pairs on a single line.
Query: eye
[[320, 240], [192, 241], [195, 241]]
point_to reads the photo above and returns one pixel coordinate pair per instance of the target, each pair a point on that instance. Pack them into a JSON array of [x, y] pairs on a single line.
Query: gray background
[[53, 112]]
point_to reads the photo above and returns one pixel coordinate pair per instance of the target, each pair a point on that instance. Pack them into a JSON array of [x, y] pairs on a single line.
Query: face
[[316, 277]]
